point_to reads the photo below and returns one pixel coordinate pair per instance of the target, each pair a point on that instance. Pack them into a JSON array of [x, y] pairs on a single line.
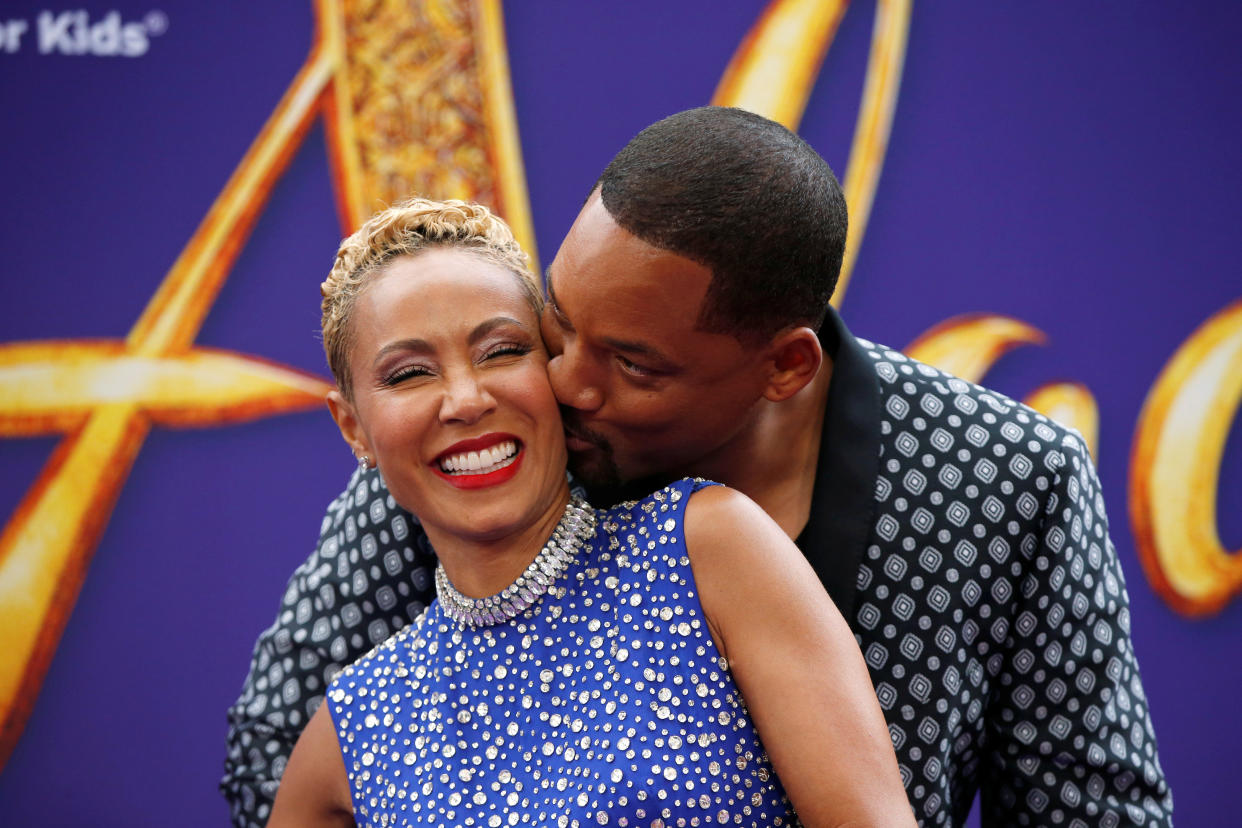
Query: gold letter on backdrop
[[773, 71], [392, 133], [416, 98], [968, 345], [1175, 469]]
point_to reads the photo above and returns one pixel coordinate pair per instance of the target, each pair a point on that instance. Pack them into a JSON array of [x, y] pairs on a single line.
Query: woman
[[578, 666]]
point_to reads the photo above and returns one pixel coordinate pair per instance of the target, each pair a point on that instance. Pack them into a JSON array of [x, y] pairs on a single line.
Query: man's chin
[[596, 470]]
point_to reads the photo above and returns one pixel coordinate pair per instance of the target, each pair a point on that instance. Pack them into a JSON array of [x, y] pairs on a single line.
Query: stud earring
[[364, 462]]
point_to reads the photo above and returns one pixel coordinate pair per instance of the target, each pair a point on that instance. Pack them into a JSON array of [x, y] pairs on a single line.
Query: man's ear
[[347, 421], [794, 359]]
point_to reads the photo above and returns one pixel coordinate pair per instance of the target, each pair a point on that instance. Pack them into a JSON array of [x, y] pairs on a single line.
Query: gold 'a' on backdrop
[[416, 98]]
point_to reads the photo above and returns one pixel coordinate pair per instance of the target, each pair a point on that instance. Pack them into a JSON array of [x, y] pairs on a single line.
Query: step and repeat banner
[[1044, 198]]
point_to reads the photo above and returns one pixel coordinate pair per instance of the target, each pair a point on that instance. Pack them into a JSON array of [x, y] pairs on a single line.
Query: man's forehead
[[604, 270], [628, 294]]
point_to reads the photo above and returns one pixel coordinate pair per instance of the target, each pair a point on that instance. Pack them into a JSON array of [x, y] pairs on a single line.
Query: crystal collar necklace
[[576, 527]]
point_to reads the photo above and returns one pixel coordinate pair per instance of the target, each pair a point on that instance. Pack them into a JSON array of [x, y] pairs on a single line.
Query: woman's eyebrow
[[422, 346], [418, 346], [484, 328]]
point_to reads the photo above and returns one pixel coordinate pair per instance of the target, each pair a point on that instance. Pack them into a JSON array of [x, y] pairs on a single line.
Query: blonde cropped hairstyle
[[407, 229]]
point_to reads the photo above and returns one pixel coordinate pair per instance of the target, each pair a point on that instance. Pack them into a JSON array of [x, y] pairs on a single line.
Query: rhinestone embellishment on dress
[[576, 527], [605, 703]]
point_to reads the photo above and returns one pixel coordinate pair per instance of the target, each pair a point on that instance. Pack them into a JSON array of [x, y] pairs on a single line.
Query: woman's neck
[[478, 568]]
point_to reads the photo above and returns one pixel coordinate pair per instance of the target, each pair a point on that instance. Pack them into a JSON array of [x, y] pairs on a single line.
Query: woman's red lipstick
[[480, 479]]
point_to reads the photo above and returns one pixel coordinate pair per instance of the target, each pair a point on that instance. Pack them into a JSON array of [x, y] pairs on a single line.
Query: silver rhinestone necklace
[[575, 528]]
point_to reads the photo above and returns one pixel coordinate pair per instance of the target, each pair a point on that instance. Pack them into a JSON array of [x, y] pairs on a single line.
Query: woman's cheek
[[403, 425], [530, 384]]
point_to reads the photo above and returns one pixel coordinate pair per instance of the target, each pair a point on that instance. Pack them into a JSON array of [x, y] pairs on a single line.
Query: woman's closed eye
[[506, 349], [405, 372]]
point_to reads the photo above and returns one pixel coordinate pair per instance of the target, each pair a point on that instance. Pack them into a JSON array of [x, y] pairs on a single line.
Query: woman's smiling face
[[451, 395]]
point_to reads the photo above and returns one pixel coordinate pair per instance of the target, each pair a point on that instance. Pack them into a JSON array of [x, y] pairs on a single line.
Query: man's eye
[[631, 367], [554, 313]]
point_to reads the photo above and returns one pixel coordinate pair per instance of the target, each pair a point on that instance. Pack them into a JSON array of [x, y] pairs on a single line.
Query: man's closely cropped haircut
[[746, 198], [407, 229]]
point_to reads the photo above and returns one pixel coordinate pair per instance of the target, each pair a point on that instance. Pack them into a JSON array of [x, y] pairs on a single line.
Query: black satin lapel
[[843, 504]]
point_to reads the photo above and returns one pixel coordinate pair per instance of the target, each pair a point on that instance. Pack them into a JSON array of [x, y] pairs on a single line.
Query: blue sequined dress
[[605, 703]]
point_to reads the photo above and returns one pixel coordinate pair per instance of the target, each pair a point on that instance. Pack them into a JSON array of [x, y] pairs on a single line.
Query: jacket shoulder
[[924, 396]]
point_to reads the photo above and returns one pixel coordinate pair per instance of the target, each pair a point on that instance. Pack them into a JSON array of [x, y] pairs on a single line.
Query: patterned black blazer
[[962, 534]]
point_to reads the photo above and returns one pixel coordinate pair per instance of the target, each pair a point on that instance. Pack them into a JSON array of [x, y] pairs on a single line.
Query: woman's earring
[[364, 462]]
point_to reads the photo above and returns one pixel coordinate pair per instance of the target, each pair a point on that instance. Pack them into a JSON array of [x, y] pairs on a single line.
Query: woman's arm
[[314, 789], [797, 664]]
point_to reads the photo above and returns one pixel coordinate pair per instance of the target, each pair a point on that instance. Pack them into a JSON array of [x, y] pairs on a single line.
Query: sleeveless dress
[[605, 703]]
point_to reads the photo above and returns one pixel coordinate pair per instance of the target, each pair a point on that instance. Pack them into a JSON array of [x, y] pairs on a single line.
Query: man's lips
[[574, 441]]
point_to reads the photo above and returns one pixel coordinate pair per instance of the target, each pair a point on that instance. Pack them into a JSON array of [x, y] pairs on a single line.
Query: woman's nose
[[466, 400], [572, 381]]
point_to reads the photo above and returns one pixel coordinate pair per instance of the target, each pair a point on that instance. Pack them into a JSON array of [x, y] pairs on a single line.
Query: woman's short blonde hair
[[407, 229]]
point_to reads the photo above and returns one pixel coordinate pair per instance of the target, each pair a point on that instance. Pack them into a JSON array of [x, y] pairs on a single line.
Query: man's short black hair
[[746, 198]]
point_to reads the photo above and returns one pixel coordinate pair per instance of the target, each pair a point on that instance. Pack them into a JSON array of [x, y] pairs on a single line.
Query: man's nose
[[573, 381], [466, 400]]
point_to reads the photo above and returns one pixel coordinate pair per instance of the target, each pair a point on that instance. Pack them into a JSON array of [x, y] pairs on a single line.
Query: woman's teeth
[[480, 462]]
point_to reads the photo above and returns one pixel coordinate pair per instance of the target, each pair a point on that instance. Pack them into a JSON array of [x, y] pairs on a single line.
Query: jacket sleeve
[[370, 574], [1070, 739]]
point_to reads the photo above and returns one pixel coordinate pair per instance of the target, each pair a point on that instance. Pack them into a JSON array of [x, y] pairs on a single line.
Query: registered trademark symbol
[[156, 22]]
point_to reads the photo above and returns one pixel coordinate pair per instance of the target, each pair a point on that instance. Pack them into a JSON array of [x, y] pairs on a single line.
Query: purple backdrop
[[1072, 165]]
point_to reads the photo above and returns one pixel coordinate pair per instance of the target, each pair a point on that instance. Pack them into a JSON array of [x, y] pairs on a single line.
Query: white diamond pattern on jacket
[[993, 616], [991, 611]]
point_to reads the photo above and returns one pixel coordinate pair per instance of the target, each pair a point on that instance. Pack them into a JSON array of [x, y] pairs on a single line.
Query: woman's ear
[[795, 357], [351, 427]]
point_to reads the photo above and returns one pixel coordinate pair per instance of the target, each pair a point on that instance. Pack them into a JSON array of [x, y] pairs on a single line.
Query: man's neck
[[773, 460]]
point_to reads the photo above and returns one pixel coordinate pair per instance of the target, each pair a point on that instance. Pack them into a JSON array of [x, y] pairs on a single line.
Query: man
[[962, 534]]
